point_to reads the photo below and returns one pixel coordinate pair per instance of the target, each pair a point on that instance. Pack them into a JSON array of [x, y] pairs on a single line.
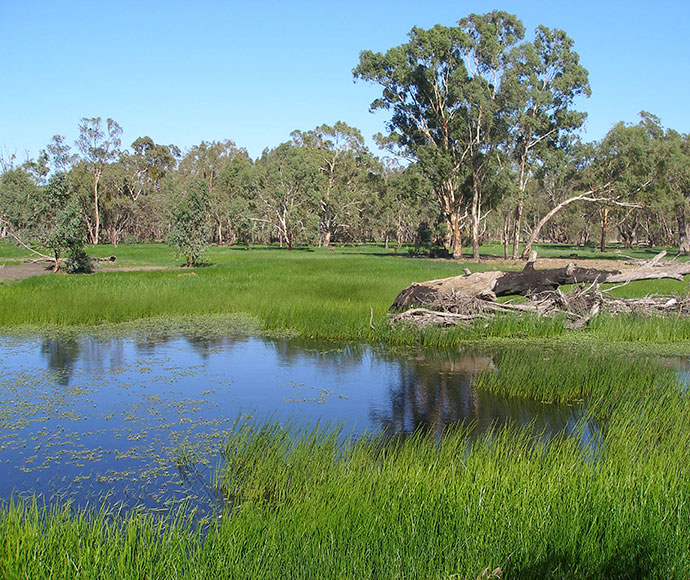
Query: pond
[[139, 424]]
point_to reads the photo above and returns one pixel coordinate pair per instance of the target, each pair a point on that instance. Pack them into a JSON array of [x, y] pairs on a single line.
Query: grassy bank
[[316, 293], [609, 501], [311, 505]]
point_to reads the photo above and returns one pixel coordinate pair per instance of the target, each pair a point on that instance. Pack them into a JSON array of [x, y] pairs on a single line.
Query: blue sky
[[182, 71]]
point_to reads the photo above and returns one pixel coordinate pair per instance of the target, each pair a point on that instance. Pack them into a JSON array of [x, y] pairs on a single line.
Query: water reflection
[[60, 357], [142, 420], [432, 393]]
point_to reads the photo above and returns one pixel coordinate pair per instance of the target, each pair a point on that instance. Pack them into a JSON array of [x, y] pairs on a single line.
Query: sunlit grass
[[313, 292], [314, 503], [563, 376], [309, 503]]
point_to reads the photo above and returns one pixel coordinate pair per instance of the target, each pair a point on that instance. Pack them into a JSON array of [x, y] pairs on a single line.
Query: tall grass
[[310, 504], [313, 503], [319, 294], [566, 376]]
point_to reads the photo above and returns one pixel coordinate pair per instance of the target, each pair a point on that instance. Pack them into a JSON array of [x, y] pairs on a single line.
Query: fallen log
[[63, 260], [490, 285], [578, 308]]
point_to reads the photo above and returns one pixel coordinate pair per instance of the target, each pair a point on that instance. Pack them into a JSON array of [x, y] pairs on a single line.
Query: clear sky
[[253, 71]]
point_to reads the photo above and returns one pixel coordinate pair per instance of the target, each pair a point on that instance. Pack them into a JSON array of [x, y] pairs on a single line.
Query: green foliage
[[190, 225], [287, 186], [314, 503], [566, 376], [461, 97], [65, 229], [344, 165], [78, 262], [19, 201]]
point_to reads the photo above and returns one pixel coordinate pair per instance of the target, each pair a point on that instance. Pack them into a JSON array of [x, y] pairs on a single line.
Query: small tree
[[64, 231], [191, 222], [98, 148]]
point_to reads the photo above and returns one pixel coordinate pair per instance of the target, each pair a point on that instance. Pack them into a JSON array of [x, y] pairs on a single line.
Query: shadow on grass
[[632, 559]]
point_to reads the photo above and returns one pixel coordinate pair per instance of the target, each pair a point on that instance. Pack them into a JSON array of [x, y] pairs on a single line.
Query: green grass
[[312, 503], [314, 292], [566, 376]]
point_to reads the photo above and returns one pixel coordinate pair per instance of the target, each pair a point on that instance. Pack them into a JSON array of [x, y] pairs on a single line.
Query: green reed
[[557, 375], [314, 504]]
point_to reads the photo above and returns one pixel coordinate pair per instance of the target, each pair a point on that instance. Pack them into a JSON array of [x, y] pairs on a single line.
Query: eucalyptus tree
[[236, 202], [147, 167], [544, 78], [38, 168], [59, 154], [286, 190], [344, 162], [675, 183], [402, 204], [560, 181], [207, 161], [444, 88], [190, 222], [19, 203], [98, 146], [48, 216], [132, 188], [625, 164], [63, 226], [55, 158]]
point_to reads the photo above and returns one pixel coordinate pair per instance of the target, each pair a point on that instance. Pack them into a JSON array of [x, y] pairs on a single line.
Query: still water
[[140, 424]]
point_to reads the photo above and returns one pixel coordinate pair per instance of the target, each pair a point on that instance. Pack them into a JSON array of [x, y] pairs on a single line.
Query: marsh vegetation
[[310, 503], [518, 445], [236, 403]]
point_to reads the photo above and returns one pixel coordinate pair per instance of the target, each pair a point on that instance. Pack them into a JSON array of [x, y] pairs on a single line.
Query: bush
[[78, 262]]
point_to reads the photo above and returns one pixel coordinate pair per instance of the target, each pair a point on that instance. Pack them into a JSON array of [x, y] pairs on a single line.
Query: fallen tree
[[473, 295]]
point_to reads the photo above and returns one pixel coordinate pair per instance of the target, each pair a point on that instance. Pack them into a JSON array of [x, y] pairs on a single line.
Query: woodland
[[544, 453], [482, 145]]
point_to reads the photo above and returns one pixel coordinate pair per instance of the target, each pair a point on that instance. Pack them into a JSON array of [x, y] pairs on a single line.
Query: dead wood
[[463, 299], [490, 285]]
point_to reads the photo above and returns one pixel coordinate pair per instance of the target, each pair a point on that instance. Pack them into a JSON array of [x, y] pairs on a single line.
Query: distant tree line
[[484, 133]]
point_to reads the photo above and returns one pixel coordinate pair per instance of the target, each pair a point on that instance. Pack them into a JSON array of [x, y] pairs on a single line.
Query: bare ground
[[22, 271]]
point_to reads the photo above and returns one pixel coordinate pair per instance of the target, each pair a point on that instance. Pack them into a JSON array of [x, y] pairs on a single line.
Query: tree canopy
[[482, 127]]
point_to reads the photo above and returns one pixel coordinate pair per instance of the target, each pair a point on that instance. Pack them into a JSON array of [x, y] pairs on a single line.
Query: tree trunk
[[95, 233], [490, 285], [476, 214], [537, 229], [456, 236], [683, 231], [604, 228], [517, 226], [506, 236]]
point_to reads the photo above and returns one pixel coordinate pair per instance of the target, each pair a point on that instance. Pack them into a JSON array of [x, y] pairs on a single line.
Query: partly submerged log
[[530, 281]]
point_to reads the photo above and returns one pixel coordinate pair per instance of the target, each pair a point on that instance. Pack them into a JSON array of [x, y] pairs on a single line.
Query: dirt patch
[[21, 271]]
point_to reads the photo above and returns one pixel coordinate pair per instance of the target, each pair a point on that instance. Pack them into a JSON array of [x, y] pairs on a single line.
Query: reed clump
[[573, 375], [311, 503]]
